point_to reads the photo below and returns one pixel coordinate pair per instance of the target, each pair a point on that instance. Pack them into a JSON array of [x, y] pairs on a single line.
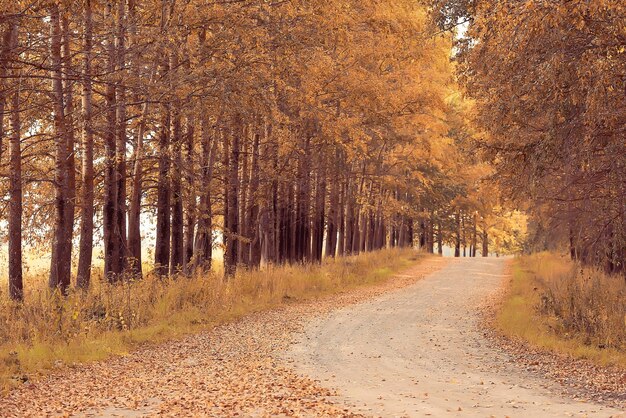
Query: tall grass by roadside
[[110, 319], [553, 303]]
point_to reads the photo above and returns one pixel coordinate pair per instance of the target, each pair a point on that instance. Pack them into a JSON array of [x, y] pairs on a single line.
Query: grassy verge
[[47, 330], [553, 304]]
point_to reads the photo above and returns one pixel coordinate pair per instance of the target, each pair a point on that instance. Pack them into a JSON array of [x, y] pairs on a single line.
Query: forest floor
[[406, 347]]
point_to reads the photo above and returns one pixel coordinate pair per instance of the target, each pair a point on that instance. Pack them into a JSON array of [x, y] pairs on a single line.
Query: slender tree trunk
[[333, 210], [485, 251], [134, 213], [134, 261], [439, 237], [163, 226], [204, 237], [464, 234], [253, 228], [176, 261], [190, 223], [474, 234], [66, 57], [320, 209], [457, 234], [342, 221], [16, 288], [60, 266], [120, 147], [111, 245], [243, 255], [85, 253], [232, 225]]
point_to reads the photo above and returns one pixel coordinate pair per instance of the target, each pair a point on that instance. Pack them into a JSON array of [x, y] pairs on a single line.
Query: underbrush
[[49, 330], [555, 304]]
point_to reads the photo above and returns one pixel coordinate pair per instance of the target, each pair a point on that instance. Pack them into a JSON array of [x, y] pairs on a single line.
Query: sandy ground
[[419, 351]]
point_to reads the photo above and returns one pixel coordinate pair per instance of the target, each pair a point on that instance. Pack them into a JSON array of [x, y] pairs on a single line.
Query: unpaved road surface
[[232, 370], [419, 351], [407, 347]]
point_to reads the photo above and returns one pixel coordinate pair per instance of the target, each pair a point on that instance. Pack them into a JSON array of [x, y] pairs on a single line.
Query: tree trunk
[[134, 213], [111, 245], [243, 255], [60, 266], [253, 228], [85, 253], [342, 222], [176, 260], [439, 237], [134, 260], [163, 226], [331, 227], [66, 57], [232, 224], [485, 251], [474, 234], [190, 223], [457, 235], [16, 287], [120, 147], [320, 209], [204, 237]]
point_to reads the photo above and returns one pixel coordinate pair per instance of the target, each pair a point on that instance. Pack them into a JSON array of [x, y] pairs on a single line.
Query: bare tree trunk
[[134, 214], [320, 209], [85, 254], [431, 234], [464, 234], [331, 228], [190, 223], [474, 234], [60, 266], [162, 245], [16, 287], [111, 245], [253, 228], [439, 237], [342, 222], [243, 255], [66, 57], [232, 224], [485, 243], [134, 261], [120, 147], [349, 221], [457, 235], [204, 237], [176, 260]]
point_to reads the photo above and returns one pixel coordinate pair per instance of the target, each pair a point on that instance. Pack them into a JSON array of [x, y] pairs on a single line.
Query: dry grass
[[48, 330], [554, 304]]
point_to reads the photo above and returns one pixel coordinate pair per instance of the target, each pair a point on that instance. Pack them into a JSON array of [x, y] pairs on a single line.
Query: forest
[[150, 136], [192, 183]]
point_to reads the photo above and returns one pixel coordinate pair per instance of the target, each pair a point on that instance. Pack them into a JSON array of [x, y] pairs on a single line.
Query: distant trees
[[548, 78], [284, 132]]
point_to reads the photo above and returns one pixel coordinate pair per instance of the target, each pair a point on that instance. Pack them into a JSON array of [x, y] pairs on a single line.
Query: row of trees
[[284, 131], [549, 82]]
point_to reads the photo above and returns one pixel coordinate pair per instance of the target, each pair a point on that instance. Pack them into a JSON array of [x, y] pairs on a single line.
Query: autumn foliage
[[278, 132], [548, 80]]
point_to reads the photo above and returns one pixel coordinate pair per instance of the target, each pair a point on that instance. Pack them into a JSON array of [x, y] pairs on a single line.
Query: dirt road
[[406, 347], [419, 351]]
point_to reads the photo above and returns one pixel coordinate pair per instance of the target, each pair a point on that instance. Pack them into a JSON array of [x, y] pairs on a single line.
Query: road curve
[[419, 352]]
